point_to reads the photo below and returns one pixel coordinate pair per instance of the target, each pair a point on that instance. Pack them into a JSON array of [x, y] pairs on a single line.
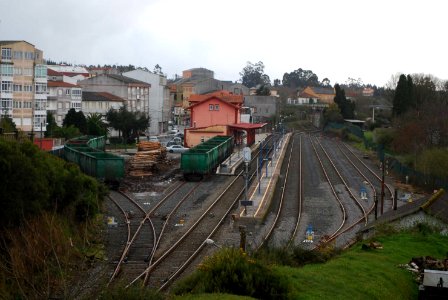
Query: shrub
[[233, 271]]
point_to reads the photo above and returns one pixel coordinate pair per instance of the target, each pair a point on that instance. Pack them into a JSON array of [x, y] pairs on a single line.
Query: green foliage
[[33, 181], [346, 107], [302, 78], [7, 124], [333, 114], [76, 119], [384, 136], [66, 132], [133, 292], [403, 98], [51, 125], [253, 75], [129, 123], [263, 90], [374, 274], [96, 125], [232, 271], [433, 162]]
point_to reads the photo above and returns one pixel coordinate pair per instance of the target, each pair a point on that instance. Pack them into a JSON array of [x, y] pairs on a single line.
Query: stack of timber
[[145, 161]]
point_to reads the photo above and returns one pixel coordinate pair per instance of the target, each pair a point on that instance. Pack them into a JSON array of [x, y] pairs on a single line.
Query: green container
[[204, 158], [85, 152]]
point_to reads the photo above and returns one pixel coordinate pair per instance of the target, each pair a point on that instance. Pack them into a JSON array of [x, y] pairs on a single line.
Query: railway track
[[145, 229], [186, 248], [288, 213]]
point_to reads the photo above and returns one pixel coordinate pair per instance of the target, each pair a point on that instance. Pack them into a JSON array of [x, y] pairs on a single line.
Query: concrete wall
[[263, 106]]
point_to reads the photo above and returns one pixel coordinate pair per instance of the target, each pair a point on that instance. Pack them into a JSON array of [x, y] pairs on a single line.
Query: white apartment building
[[160, 106], [23, 93]]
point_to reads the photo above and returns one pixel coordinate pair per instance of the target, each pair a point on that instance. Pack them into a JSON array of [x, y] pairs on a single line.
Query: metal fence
[[402, 172]]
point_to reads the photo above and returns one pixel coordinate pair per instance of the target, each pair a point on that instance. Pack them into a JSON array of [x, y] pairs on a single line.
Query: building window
[[6, 53], [17, 88], [6, 103], [76, 93], [29, 55], [216, 106], [67, 92], [7, 86], [27, 88], [18, 55], [40, 71], [60, 105], [17, 71], [41, 88], [210, 107], [7, 70]]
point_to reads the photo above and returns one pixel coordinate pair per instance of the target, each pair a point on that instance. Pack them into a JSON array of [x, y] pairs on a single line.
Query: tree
[[51, 124], [325, 82], [300, 78], [253, 75], [127, 122], [333, 114], [347, 107], [277, 82], [96, 125], [263, 90], [404, 94], [76, 119], [158, 69], [66, 132], [7, 124]]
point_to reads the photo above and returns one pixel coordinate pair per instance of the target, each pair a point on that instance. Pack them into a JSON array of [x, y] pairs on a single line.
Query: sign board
[[247, 203], [247, 154]]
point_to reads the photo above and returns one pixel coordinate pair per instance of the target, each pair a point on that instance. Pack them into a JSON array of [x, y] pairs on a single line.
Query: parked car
[[173, 131], [175, 141], [179, 134], [176, 149], [153, 139]]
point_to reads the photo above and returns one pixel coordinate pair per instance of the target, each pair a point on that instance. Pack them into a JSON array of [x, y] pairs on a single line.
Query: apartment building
[[23, 94], [160, 106], [63, 94], [134, 92]]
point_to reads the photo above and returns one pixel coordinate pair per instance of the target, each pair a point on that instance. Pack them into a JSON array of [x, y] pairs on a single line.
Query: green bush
[[34, 181], [232, 271], [133, 292]]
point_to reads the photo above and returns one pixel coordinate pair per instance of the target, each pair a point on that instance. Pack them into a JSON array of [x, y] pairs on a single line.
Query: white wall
[[159, 102]]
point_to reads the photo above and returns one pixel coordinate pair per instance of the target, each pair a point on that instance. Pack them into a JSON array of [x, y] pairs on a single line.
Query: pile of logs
[[145, 160]]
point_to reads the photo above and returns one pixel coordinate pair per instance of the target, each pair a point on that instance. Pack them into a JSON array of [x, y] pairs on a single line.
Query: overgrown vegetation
[[234, 272], [34, 181], [48, 208]]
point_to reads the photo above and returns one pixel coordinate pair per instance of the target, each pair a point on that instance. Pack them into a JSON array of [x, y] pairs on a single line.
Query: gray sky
[[371, 40]]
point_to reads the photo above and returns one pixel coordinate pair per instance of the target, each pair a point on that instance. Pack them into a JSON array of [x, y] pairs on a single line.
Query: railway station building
[[218, 113]]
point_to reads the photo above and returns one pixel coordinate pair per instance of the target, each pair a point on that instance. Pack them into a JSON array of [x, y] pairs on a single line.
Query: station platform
[[261, 190]]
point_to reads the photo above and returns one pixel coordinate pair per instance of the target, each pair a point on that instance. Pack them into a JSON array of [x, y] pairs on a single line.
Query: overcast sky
[[371, 40]]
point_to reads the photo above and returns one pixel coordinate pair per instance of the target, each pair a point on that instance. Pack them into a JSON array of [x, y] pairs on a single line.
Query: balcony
[[40, 79], [40, 96]]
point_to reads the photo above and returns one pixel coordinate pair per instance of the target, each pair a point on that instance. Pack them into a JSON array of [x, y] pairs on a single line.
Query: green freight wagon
[[204, 158], [86, 153]]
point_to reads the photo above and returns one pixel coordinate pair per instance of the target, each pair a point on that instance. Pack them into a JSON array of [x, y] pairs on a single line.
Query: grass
[[373, 274], [360, 274]]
